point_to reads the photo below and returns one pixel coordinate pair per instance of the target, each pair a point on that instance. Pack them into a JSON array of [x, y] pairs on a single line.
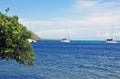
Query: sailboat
[[66, 40], [31, 40], [111, 40]]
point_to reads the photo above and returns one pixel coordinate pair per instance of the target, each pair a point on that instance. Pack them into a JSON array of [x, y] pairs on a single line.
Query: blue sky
[[84, 19]]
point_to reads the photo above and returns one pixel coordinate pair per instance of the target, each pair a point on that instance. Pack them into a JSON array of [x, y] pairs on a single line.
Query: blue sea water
[[75, 60]]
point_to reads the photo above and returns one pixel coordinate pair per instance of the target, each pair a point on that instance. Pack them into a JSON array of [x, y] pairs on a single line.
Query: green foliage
[[13, 41]]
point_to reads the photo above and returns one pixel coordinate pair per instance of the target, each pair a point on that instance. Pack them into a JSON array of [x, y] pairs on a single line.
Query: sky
[[81, 19]]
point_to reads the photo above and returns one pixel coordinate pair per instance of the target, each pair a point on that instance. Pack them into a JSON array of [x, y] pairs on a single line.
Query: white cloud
[[79, 4], [54, 33], [103, 20], [78, 29], [95, 23], [95, 5], [105, 35]]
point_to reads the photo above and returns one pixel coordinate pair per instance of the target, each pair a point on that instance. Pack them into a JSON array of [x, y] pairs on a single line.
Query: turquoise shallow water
[[75, 60]]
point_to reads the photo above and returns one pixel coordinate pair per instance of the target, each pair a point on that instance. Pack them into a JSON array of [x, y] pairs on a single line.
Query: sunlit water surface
[[75, 60]]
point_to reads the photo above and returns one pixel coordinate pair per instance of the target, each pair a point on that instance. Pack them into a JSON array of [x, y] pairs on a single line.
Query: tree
[[13, 41]]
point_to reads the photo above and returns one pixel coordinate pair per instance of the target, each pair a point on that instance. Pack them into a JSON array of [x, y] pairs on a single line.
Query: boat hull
[[65, 41], [112, 42]]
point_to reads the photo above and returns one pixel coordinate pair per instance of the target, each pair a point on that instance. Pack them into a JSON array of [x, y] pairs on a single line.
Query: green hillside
[[35, 36]]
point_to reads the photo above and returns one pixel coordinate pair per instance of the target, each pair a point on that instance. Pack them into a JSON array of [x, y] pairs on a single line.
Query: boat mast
[[114, 32], [67, 33], [30, 26]]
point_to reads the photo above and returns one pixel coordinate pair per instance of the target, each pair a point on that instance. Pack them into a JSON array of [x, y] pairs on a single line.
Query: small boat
[[65, 40], [31, 40], [111, 41]]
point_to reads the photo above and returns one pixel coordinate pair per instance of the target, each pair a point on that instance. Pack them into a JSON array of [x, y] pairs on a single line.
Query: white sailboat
[[111, 40], [31, 40], [66, 40]]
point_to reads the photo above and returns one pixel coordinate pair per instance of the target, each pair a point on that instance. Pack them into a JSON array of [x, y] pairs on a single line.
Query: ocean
[[75, 60]]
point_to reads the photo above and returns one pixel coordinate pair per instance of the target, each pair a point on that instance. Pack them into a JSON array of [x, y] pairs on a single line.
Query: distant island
[[36, 37]]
